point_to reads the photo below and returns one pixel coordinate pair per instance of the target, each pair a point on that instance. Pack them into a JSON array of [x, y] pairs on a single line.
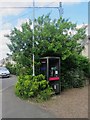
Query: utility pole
[[60, 14], [33, 37], [60, 9]]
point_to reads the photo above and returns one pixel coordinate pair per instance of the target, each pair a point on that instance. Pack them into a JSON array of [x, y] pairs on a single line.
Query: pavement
[[14, 107]]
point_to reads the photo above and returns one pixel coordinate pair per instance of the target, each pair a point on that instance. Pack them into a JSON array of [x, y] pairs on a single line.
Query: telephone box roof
[[50, 57]]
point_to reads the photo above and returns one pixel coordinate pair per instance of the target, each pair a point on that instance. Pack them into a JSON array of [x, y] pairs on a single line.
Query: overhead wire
[[13, 19]]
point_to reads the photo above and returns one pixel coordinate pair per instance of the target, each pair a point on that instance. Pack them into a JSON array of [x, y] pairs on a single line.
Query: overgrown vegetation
[[17, 69], [75, 71], [29, 86], [52, 38], [12, 68]]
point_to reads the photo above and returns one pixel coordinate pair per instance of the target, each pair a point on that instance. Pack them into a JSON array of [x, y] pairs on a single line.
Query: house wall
[[85, 51], [89, 49], [4, 61]]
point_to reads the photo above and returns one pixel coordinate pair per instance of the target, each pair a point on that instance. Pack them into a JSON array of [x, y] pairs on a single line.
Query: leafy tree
[[52, 37]]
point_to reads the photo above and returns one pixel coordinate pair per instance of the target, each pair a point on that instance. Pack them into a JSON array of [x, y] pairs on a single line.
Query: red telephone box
[[50, 67]]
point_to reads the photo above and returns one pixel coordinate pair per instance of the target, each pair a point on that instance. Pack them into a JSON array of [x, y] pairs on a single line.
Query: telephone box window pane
[[54, 67], [43, 67]]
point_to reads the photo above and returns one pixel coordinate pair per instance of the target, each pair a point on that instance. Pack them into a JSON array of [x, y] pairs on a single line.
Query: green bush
[[45, 94], [78, 79], [11, 67], [76, 62], [83, 63], [75, 71], [73, 79], [18, 69], [29, 86]]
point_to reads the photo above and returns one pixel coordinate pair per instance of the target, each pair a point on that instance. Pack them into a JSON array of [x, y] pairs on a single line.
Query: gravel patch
[[72, 103]]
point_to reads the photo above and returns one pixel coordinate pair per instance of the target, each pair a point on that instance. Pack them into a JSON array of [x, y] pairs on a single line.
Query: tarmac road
[[0, 105], [7, 82], [14, 107], [72, 103]]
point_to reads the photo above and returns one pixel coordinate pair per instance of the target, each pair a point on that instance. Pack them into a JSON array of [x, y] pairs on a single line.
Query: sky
[[13, 14]]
